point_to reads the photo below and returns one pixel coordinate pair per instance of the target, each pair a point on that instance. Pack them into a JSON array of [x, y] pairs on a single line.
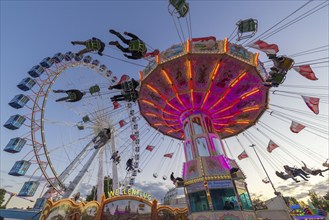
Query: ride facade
[[202, 92]]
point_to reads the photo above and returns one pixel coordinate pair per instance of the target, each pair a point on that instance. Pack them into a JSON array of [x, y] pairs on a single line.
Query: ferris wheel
[[72, 151]]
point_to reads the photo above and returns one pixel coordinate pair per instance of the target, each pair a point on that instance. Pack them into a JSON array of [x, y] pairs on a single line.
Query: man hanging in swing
[[93, 44], [296, 172], [313, 172], [279, 70], [129, 91]]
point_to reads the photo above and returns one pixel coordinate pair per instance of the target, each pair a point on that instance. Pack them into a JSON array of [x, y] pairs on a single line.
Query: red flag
[[312, 103], [122, 123], [243, 155], [271, 146], [296, 127], [169, 155], [133, 137], [306, 71], [123, 79], [152, 54], [116, 105], [149, 148], [265, 47]]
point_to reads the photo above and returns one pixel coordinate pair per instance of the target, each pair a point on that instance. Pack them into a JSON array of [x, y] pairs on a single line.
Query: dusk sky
[[33, 30]]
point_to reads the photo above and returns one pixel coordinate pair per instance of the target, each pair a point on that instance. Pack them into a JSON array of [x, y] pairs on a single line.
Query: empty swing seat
[[15, 145], [85, 119], [26, 84], [94, 89], [29, 188], [181, 7], [15, 122], [248, 26], [36, 71], [20, 168], [19, 101]]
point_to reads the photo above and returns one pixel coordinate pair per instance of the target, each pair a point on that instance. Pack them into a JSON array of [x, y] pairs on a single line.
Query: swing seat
[[248, 26], [278, 79], [180, 7], [155, 175], [80, 125], [86, 119], [94, 89], [286, 64]]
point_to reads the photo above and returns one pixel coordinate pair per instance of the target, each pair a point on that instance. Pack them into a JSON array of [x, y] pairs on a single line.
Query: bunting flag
[[169, 155], [312, 103], [133, 137], [243, 155], [204, 42], [152, 54], [265, 47], [306, 71], [122, 123], [116, 105], [271, 146], [296, 127], [149, 148], [123, 79]]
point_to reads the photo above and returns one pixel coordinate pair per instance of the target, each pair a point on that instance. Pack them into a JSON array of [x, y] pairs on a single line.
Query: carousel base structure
[[129, 206]]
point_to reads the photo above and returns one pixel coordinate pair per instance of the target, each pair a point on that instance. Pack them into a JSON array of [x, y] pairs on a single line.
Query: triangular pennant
[[169, 155], [296, 127], [243, 155], [306, 71], [271, 146], [312, 103], [149, 148], [265, 47]]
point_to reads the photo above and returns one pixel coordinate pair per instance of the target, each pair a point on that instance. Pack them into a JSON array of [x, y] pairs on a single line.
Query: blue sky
[[32, 30]]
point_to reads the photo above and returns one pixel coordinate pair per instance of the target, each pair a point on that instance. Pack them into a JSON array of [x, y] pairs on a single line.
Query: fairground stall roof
[[215, 78]]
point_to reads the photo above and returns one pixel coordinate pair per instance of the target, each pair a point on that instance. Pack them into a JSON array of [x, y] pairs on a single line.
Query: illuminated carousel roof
[[216, 78]]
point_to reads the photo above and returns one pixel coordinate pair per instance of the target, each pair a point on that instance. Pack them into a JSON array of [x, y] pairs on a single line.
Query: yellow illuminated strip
[[243, 122], [189, 70], [225, 44], [167, 77], [188, 45], [250, 109], [148, 102], [220, 124], [213, 75], [250, 93], [256, 59], [229, 88], [171, 105], [158, 124], [229, 130], [152, 114]]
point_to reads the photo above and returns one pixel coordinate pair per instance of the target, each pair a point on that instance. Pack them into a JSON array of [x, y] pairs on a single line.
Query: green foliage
[[318, 201], [2, 197], [107, 187], [290, 200]]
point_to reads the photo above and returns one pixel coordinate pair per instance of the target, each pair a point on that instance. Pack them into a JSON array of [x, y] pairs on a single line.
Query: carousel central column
[[210, 185]]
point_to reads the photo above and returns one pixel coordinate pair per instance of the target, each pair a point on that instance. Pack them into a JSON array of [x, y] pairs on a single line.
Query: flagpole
[[275, 192]]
